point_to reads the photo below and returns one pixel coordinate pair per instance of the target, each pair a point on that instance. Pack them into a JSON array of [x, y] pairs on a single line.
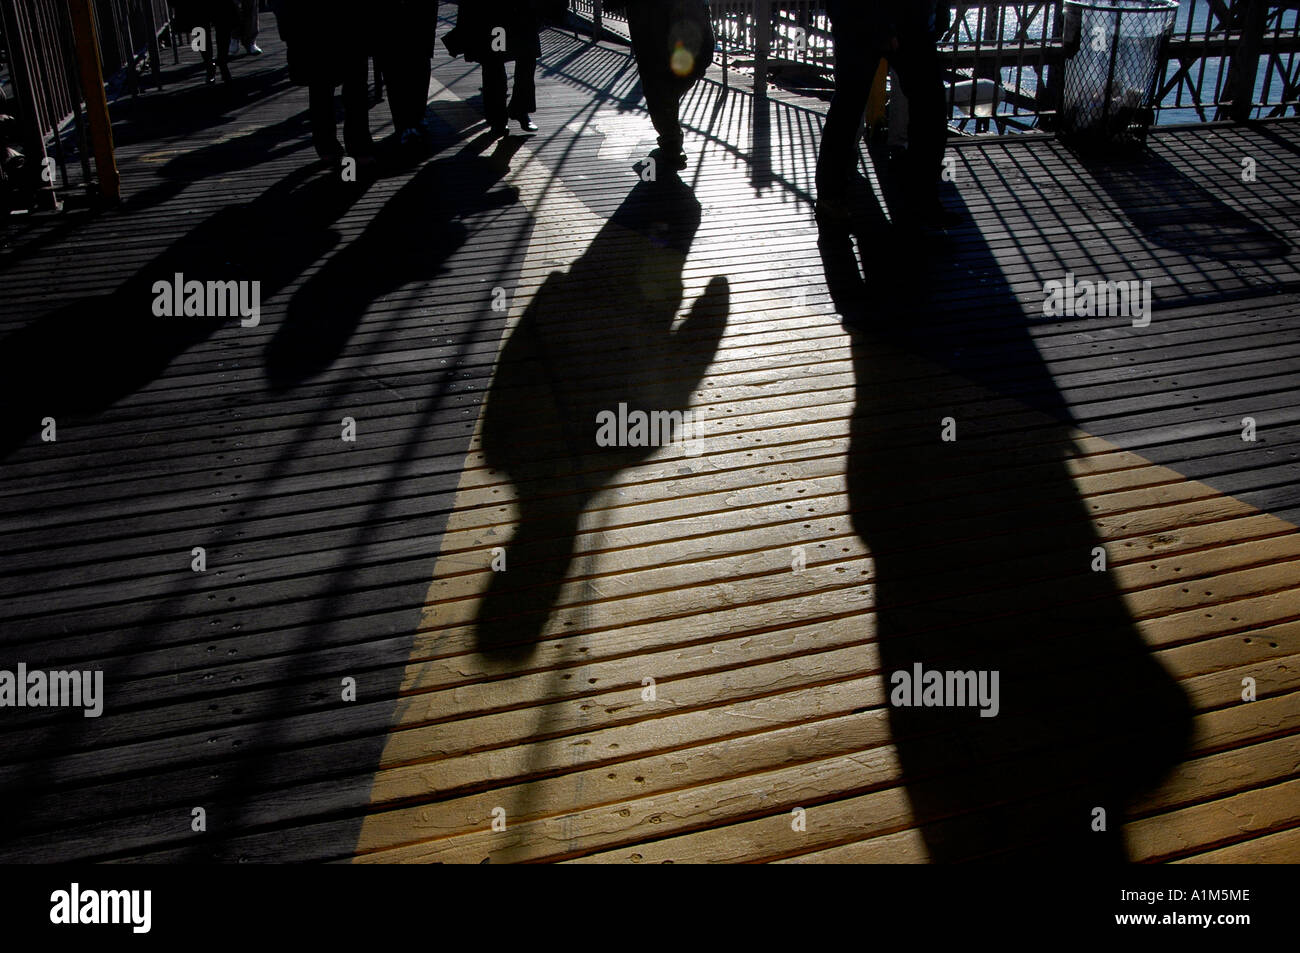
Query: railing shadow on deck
[[969, 617], [44, 377], [1171, 210], [710, 110]]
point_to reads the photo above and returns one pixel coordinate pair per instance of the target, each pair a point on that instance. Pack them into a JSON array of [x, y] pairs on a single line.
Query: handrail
[[1226, 58], [47, 79]]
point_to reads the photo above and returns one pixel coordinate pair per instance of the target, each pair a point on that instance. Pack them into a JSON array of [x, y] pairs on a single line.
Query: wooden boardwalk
[[685, 658]]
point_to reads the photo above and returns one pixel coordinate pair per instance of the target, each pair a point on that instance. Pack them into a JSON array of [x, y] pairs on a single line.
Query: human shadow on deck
[[406, 245], [983, 551], [592, 339]]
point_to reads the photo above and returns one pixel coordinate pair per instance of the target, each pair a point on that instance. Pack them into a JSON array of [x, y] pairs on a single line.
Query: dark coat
[[406, 27], [661, 29], [319, 34], [878, 22], [200, 13], [478, 21]]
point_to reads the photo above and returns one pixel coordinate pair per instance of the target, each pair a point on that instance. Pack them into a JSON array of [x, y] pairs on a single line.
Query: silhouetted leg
[[648, 26], [927, 127], [406, 63], [249, 26], [855, 69], [209, 64], [424, 27], [320, 111], [494, 93], [356, 105], [396, 71], [523, 101], [223, 30], [418, 90], [662, 98]]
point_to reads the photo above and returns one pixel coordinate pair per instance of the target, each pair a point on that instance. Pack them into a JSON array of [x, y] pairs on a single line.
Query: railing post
[[762, 44], [719, 18], [597, 20], [1047, 98], [155, 50], [92, 87], [1244, 67], [25, 85]]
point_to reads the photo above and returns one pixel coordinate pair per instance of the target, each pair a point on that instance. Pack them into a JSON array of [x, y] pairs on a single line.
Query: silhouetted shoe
[[253, 49], [329, 150], [527, 124], [675, 159], [234, 48], [212, 73], [499, 132], [412, 143], [225, 72]]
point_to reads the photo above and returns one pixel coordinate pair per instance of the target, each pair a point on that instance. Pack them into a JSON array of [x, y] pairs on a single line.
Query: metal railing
[[45, 79], [1003, 58]]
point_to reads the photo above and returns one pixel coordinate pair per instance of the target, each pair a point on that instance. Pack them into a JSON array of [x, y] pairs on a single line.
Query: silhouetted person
[[219, 19], [405, 62], [905, 32], [327, 50], [247, 27], [493, 33], [673, 44]]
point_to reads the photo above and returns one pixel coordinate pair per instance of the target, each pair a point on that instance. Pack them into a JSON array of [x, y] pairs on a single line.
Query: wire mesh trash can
[[1112, 52]]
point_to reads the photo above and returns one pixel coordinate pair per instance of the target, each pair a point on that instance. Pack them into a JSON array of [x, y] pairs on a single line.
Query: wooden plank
[[329, 557]]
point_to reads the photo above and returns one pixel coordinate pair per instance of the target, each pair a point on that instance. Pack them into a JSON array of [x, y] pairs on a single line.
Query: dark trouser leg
[[249, 26], [648, 24], [927, 126], [421, 74], [394, 73], [418, 56], [407, 67], [494, 93], [523, 101], [320, 109], [664, 100], [223, 29], [412, 100], [855, 69], [356, 104]]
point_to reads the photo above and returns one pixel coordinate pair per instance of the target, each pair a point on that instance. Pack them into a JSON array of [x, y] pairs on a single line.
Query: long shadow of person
[[984, 554], [407, 244], [597, 337], [84, 357]]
